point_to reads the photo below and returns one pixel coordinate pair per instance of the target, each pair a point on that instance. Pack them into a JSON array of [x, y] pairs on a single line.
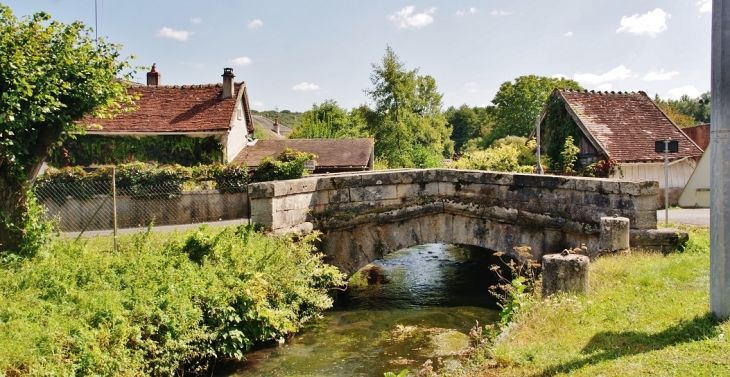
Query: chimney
[[154, 77], [276, 126], [228, 83]]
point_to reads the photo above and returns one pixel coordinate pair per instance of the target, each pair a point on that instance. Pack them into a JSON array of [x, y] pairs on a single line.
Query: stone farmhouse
[[624, 126]]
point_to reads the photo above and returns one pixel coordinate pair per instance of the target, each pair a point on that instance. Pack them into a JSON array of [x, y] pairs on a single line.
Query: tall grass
[[159, 306], [646, 314]]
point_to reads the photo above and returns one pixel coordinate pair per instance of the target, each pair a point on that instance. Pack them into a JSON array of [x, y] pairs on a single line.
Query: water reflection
[[415, 304]]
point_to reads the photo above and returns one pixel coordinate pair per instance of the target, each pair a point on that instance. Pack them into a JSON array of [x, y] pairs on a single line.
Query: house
[[696, 193], [700, 134], [219, 113], [275, 130], [333, 155], [623, 126]]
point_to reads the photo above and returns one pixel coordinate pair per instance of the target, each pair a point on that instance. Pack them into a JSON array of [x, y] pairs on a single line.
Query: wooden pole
[[114, 204]]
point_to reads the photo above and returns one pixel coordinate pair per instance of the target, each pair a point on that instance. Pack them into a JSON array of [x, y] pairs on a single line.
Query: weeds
[[513, 293]]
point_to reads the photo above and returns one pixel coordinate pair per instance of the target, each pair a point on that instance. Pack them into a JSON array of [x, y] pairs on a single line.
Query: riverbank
[[162, 304], [646, 314]]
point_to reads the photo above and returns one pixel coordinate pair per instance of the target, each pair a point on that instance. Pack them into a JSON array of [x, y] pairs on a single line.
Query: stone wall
[[364, 216]]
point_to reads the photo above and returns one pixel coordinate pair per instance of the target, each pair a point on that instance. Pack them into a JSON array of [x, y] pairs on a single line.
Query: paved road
[[693, 216], [162, 228]]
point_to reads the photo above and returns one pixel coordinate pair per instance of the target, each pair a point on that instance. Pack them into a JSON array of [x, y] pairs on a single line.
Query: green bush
[[287, 165], [156, 306], [231, 178], [505, 156]]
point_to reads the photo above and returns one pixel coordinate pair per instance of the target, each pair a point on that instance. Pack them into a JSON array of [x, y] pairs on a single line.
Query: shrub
[[287, 165], [157, 306], [504, 157]]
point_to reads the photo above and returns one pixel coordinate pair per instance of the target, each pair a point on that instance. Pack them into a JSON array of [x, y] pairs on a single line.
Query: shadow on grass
[[611, 345]]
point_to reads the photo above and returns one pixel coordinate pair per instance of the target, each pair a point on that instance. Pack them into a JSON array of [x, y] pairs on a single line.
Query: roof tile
[[186, 108], [626, 125]]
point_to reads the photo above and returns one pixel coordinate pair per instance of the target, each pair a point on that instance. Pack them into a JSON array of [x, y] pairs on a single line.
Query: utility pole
[[720, 162]]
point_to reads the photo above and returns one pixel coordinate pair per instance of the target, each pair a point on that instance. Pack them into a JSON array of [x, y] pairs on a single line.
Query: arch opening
[[426, 275]]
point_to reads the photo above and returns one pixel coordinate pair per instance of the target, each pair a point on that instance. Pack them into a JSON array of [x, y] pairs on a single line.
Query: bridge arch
[[364, 216]]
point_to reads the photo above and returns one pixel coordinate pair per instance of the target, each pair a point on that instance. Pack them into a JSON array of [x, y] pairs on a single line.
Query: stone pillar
[[720, 162], [615, 232], [564, 273]]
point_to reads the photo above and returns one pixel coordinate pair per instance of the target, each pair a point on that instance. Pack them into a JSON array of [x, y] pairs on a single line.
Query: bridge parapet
[[285, 204], [382, 211]]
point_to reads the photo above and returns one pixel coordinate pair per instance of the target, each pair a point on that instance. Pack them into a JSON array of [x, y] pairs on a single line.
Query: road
[[692, 216]]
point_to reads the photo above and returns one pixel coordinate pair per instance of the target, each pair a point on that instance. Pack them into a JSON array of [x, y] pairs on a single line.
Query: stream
[[414, 305]]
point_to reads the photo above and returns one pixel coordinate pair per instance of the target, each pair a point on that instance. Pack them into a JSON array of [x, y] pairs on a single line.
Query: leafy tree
[[508, 155], [327, 121], [51, 76], [686, 111], [468, 123], [518, 104], [407, 118]]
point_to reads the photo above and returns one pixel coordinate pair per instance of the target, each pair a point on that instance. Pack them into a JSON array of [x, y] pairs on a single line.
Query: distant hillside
[[286, 117]]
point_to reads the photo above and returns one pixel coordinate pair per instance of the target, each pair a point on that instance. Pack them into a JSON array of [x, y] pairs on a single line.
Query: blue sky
[[296, 53]]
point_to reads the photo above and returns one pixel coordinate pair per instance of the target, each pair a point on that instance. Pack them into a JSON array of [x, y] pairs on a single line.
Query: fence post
[[114, 204]]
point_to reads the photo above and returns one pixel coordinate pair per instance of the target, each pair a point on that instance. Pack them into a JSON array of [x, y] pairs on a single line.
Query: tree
[[407, 120], [327, 121], [686, 111], [468, 123], [518, 105], [51, 76]]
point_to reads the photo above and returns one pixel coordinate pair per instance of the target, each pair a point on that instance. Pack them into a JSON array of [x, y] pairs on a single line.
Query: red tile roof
[[625, 125], [178, 108], [330, 152]]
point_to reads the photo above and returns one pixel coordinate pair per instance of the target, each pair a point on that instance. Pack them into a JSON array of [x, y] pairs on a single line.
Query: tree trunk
[[13, 188], [13, 206]]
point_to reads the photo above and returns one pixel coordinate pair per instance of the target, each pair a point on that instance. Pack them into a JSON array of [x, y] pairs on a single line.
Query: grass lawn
[[646, 314]]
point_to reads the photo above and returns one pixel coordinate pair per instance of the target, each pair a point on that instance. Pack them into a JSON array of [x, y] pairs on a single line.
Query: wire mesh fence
[[105, 204]]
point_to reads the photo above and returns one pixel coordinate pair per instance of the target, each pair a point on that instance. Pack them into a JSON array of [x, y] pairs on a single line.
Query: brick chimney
[[228, 88], [276, 126], [154, 77]]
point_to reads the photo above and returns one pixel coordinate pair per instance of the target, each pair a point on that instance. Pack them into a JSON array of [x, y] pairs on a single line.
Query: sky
[[294, 54]]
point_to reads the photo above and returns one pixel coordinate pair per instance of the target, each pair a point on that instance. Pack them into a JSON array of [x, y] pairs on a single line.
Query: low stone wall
[[190, 207], [364, 216]]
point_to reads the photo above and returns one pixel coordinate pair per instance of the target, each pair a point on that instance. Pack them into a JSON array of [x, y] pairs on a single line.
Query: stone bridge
[[364, 216]]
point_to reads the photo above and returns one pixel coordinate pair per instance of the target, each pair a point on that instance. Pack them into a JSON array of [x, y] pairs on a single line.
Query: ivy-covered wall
[[556, 127], [86, 150]]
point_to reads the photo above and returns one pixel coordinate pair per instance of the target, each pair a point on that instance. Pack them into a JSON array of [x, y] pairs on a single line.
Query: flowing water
[[414, 305]]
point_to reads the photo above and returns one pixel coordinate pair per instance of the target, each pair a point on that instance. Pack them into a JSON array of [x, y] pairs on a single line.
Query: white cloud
[[660, 76], [195, 20], [242, 61], [501, 12], [559, 76], [603, 88], [569, 34], [255, 23], [471, 10], [305, 86], [406, 19], [258, 104], [689, 90], [705, 6], [471, 87], [651, 23], [618, 73], [180, 35]]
